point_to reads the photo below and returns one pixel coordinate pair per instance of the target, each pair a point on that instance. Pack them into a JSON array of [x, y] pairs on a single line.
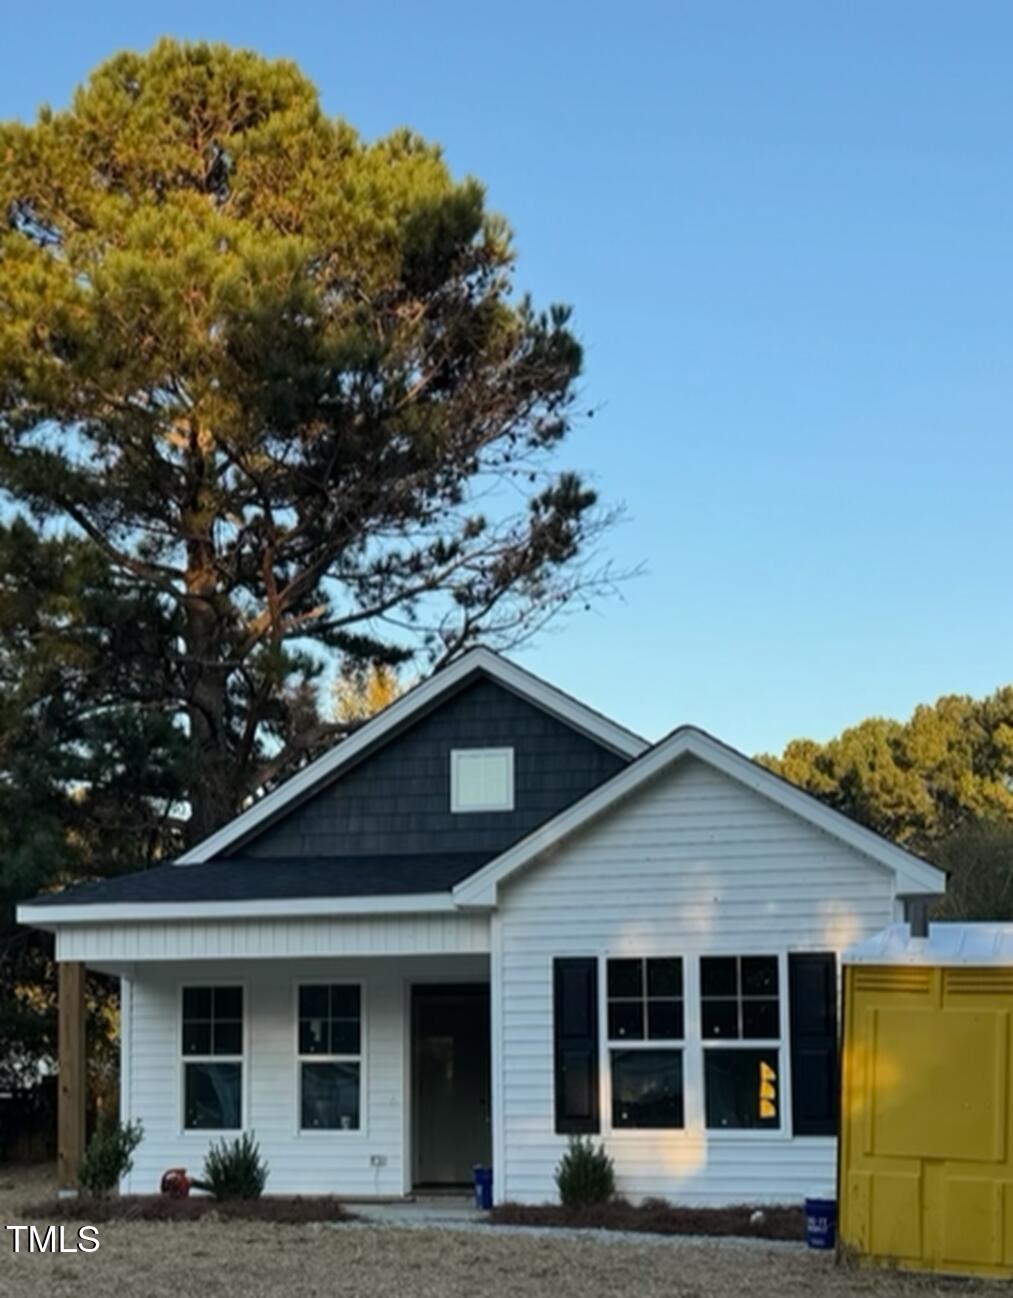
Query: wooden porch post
[[72, 1074]]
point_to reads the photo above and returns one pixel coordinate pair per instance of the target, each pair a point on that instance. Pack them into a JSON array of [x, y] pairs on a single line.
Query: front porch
[[362, 1076]]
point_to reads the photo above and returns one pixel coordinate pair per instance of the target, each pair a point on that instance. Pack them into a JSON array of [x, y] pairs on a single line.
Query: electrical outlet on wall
[[378, 1160]]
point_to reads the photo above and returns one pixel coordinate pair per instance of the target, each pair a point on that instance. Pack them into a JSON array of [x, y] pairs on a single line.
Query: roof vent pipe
[[918, 916]]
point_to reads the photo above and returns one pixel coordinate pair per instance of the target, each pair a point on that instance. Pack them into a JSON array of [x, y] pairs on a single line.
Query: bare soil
[[215, 1257]]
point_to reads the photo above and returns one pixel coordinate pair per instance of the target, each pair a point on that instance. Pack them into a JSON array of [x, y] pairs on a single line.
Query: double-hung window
[[330, 1057], [645, 1015], [212, 1050], [740, 1012]]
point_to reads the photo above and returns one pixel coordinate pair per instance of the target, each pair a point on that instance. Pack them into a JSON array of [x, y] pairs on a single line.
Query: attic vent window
[[482, 779]]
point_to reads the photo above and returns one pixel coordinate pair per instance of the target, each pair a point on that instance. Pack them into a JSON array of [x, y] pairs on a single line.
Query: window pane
[[664, 977], [196, 1002], [314, 1002], [718, 976], [330, 1097], [647, 1088], [721, 1019], [344, 1003], [313, 1037], [625, 977], [759, 975], [228, 1002], [228, 1039], [761, 1020], [344, 1036], [741, 1088], [196, 1038], [212, 1097], [664, 1020], [626, 1020]]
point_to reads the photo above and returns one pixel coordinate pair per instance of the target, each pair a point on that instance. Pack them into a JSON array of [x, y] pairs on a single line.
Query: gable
[[395, 800], [696, 839], [911, 875]]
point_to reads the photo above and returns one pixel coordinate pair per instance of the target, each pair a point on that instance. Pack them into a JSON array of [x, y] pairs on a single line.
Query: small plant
[[109, 1156], [585, 1175], [236, 1170]]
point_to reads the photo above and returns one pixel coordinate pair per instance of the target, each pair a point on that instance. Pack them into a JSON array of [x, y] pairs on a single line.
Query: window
[[740, 1001], [645, 1000], [330, 1057], [212, 1058], [482, 779], [645, 1005], [647, 1088], [739, 998]]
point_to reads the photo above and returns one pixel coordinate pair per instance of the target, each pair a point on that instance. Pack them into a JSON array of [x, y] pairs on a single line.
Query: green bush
[[585, 1175], [236, 1170], [109, 1156]]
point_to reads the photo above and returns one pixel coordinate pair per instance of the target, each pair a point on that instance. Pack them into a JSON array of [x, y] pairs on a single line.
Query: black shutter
[[812, 982], [575, 1021]]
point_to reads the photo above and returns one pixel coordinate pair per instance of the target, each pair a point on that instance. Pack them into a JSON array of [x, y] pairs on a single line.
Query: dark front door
[[451, 1076]]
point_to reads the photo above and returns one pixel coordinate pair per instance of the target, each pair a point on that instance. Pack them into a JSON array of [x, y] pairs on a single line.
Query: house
[[491, 919]]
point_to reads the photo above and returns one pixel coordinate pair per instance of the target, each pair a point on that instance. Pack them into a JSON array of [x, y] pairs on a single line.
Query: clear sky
[[787, 231]]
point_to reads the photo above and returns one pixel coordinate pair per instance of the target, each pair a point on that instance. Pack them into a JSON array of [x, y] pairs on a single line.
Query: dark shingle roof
[[269, 880]]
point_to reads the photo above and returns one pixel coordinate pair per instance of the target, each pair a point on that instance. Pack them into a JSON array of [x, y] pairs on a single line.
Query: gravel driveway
[[207, 1259]]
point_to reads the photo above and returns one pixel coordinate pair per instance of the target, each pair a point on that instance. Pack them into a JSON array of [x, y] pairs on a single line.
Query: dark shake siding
[[397, 800]]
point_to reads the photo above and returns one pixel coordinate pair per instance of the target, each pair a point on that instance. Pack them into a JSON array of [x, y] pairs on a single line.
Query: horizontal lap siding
[[275, 939], [311, 1163], [692, 864]]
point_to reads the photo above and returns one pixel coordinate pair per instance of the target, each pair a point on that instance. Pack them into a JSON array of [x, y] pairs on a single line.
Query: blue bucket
[[483, 1187], [821, 1223]]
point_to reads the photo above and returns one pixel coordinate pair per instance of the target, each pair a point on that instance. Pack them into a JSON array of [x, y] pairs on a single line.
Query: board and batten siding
[[693, 863], [317, 1162]]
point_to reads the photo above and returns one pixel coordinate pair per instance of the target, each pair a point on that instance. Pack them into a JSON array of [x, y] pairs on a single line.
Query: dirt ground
[[208, 1259]]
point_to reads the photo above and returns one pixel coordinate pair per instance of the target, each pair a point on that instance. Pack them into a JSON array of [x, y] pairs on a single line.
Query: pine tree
[[279, 378]]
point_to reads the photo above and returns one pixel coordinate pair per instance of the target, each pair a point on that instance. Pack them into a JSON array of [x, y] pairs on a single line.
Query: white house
[[488, 920]]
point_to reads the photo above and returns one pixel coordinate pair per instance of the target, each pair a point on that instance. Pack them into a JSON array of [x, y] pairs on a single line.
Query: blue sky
[[786, 229]]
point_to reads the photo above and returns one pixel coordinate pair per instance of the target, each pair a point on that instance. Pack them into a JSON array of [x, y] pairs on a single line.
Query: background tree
[[917, 781], [279, 380], [979, 859], [361, 692]]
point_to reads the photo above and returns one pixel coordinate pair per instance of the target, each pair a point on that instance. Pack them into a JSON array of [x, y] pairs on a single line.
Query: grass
[[657, 1217]]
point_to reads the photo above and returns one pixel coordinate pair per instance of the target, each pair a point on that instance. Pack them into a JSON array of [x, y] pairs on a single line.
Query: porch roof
[[254, 879]]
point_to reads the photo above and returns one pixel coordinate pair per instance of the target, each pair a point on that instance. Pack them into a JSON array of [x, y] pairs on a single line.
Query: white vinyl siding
[[300, 1162], [691, 864]]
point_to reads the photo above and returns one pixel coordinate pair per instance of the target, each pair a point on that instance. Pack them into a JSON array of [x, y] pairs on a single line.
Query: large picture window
[[645, 1007], [330, 1057], [740, 1002], [212, 1048]]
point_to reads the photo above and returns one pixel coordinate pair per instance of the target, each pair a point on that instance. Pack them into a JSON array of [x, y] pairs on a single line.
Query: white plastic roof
[[946, 944]]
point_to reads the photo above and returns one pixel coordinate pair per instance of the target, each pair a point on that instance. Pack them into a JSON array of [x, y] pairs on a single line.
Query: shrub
[[236, 1170], [109, 1156], [585, 1175]]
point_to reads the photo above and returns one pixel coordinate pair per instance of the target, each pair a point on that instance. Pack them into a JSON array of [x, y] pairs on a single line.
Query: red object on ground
[[175, 1183]]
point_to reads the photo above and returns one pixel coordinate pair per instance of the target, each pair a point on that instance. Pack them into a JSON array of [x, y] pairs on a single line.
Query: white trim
[[913, 874], [506, 673], [340, 1133], [458, 766], [129, 912], [497, 1061]]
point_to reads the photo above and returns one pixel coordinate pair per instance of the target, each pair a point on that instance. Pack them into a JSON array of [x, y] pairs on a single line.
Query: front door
[[451, 1077]]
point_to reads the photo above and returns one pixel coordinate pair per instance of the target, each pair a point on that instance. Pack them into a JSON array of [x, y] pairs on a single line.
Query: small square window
[[481, 779]]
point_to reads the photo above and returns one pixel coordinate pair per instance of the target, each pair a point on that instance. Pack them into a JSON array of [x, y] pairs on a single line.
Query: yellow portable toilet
[[925, 1171]]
